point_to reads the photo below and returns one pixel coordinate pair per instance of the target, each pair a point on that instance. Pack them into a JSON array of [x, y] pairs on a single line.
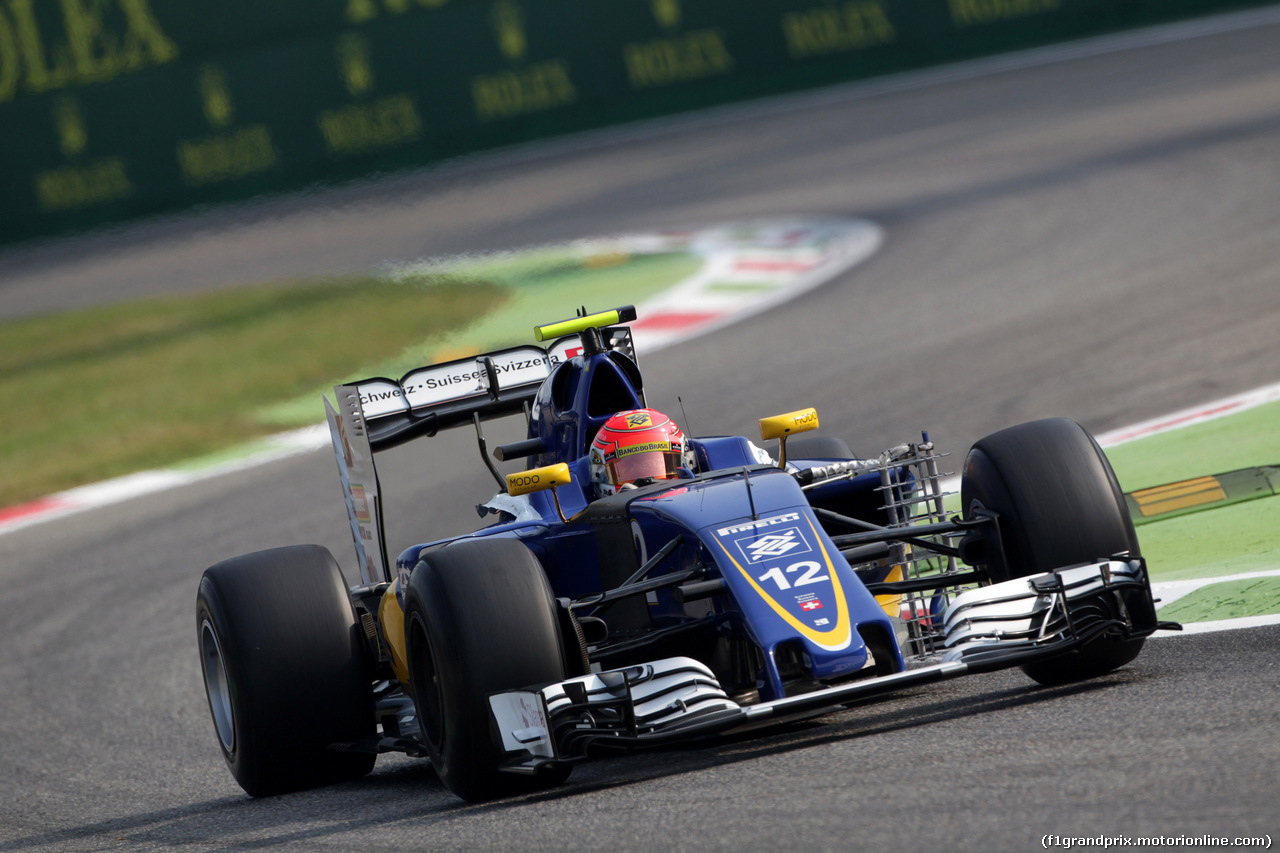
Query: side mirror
[[781, 426], [540, 479]]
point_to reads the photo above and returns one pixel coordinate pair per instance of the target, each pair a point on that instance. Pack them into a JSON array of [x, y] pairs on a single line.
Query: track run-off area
[[1088, 234]]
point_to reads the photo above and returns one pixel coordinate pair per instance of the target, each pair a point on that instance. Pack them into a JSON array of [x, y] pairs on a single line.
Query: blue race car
[[637, 587]]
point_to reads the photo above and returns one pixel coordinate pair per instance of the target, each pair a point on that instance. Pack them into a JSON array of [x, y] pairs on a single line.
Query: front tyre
[[285, 669], [1059, 504], [479, 619]]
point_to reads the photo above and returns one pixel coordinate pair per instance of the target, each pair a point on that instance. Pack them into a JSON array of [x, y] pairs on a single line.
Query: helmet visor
[[656, 465]]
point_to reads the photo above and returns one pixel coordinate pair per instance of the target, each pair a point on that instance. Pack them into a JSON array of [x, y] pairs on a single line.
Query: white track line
[[130, 486], [1221, 625], [1233, 405], [1167, 592], [1192, 416]]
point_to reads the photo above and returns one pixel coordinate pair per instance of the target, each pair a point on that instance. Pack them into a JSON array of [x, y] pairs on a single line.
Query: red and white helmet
[[640, 444]]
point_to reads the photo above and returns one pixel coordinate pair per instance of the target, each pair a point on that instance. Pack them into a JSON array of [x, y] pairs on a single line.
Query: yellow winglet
[[550, 331], [537, 479], [780, 426]]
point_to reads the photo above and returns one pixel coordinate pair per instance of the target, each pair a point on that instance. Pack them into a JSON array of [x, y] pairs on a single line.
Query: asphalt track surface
[[1094, 238]]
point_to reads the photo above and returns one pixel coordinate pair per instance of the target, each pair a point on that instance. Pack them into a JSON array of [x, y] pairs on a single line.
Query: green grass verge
[[1235, 539], [1229, 540], [1225, 541], [1214, 447], [1227, 600], [181, 381], [106, 391]]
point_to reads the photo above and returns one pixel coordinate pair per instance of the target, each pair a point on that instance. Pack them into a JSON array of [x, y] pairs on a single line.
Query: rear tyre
[[285, 669], [479, 619], [1059, 504]]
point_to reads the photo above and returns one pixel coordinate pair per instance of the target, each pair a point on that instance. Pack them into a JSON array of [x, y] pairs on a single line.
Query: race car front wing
[[1016, 622]]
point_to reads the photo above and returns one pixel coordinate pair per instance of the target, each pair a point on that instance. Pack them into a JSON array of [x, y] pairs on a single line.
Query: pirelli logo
[[1179, 496], [756, 525]]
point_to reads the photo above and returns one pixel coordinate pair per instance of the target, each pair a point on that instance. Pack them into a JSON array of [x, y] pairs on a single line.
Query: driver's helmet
[[634, 447]]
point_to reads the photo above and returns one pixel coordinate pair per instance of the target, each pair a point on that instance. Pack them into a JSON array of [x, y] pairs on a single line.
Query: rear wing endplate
[[359, 483]]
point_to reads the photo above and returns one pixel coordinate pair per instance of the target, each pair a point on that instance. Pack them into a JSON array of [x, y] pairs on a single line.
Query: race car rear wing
[[429, 399], [379, 413]]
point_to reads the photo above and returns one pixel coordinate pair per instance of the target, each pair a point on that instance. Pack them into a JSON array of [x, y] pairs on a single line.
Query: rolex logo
[[216, 99], [69, 120], [353, 61], [508, 22], [666, 12]]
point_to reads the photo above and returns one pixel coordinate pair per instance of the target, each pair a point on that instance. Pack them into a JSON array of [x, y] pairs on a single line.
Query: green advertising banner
[[111, 109]]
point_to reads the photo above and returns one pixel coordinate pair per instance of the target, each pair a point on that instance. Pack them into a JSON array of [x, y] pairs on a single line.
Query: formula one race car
[[636, 587]]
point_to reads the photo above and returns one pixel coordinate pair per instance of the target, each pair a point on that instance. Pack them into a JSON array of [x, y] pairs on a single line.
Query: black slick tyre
[[479, 619], [286, 669], [1059, 504]]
